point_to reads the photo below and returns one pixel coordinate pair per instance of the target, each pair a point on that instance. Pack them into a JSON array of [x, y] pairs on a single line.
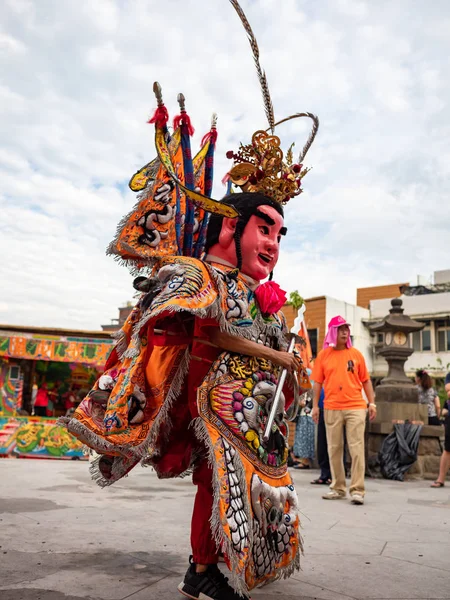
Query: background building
[[319, 311], [116, 324], [364, 296], [428, 302]]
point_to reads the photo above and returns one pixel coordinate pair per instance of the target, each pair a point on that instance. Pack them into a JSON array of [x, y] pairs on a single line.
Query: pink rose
[[270, 297]]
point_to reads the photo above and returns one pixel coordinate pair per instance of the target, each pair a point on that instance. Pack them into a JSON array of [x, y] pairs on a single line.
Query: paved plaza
[[63, 538]]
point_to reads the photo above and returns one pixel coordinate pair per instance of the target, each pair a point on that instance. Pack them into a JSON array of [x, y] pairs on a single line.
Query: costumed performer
[[192, 378]]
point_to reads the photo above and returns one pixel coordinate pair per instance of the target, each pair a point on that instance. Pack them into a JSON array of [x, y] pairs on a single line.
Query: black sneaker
[[209, 585]]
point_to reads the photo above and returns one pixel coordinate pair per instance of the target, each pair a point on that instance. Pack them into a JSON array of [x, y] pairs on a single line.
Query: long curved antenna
[[312, 135], [268, 106]]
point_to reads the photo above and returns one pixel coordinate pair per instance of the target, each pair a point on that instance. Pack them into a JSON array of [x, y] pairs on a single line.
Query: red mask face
[[260, 243]]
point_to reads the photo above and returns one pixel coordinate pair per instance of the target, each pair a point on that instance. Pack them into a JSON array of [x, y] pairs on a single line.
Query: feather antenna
[[268, 106], [312, 135]]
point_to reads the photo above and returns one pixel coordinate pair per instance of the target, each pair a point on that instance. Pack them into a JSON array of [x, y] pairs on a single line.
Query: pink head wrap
[[331, 337]]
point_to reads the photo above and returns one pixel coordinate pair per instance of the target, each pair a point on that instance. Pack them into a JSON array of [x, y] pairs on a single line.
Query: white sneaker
[[357, 499], [332, 495]]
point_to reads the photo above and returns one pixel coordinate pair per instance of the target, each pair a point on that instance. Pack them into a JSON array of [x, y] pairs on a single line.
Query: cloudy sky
[[76, 90]]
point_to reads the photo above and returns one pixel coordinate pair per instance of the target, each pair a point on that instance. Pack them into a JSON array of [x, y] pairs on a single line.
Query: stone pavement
[[63, 538]]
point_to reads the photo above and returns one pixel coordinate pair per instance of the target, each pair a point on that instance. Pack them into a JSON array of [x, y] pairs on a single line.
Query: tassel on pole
[[161, 115], [183, 118]]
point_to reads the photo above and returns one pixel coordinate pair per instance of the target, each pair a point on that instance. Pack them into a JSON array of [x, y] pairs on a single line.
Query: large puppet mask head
[[251, 241]]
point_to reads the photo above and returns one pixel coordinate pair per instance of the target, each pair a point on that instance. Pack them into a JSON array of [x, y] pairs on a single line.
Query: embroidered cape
[[168, 395]]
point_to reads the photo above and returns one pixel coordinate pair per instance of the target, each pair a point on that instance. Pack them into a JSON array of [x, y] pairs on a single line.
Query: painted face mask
[[260, 243]]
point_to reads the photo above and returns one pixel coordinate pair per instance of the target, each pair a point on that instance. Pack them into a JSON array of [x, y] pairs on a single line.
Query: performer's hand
[[315, 414], [287, 360], [372, 412]]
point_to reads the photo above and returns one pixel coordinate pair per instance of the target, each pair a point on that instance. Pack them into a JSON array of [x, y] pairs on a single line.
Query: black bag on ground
[[399, 450]]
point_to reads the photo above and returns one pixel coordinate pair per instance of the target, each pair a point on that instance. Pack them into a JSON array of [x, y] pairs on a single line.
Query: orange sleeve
[[317, 373], [362, 371]]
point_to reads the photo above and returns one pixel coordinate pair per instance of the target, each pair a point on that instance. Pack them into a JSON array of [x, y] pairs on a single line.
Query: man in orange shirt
[[342, 371]]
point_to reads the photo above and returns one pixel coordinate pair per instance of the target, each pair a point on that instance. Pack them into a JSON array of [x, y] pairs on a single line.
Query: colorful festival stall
[[37, 437], [29, 353]]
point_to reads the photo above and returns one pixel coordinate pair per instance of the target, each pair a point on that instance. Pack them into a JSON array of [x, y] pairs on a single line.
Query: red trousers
[[204, 548]]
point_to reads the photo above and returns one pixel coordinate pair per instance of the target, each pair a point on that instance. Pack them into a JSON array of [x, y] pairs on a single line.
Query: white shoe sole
[[201, 596], [357, 502], [333, 497]]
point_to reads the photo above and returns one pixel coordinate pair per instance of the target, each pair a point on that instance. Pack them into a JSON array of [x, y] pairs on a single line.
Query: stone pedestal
[[390, 411], [397, 392]]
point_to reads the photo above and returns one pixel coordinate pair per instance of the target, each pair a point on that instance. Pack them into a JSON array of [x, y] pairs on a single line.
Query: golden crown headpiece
[[259, 167]]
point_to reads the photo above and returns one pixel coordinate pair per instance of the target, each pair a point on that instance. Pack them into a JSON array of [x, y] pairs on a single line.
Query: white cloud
[[76, 90], [353, 8], [9, 45], [103, 57], [105, 14]]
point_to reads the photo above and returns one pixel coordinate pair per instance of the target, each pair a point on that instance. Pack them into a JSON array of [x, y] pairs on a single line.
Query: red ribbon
[[160, 117], [183, 119], [211, 136]]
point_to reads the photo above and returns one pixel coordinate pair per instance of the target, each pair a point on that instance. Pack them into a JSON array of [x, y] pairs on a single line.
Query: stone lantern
[[396, 349], [396, 396]]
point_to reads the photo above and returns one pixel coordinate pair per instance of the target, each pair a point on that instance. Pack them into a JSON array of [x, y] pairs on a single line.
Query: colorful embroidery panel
[[236, 399], [149, 232], [161, 225], [255, 520]]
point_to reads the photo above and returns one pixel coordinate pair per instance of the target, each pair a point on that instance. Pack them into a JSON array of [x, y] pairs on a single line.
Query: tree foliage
[[295, 300]]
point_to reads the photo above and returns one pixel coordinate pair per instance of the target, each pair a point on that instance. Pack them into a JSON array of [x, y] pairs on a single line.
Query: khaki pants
[[355, 423]]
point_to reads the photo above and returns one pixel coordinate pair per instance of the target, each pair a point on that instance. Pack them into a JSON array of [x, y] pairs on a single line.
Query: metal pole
[[276, 398]]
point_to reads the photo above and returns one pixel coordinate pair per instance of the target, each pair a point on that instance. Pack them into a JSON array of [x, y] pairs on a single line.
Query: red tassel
[[177, 122], [185, 120], [211, 136], [160, 117]]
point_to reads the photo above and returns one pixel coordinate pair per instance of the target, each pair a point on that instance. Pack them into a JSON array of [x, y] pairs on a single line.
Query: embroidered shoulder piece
[[187, 286]]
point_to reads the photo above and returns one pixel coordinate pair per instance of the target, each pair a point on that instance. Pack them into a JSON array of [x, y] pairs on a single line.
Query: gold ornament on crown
[[259, 167]]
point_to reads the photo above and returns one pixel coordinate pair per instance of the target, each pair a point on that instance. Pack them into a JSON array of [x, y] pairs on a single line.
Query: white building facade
[[431, 345], [426, 302]]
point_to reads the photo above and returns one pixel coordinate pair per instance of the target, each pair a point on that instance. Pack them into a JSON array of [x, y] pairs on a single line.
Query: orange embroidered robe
[[167, 396]]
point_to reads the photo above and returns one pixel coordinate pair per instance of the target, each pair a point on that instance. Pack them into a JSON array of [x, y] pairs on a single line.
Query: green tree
[[295, 300]]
